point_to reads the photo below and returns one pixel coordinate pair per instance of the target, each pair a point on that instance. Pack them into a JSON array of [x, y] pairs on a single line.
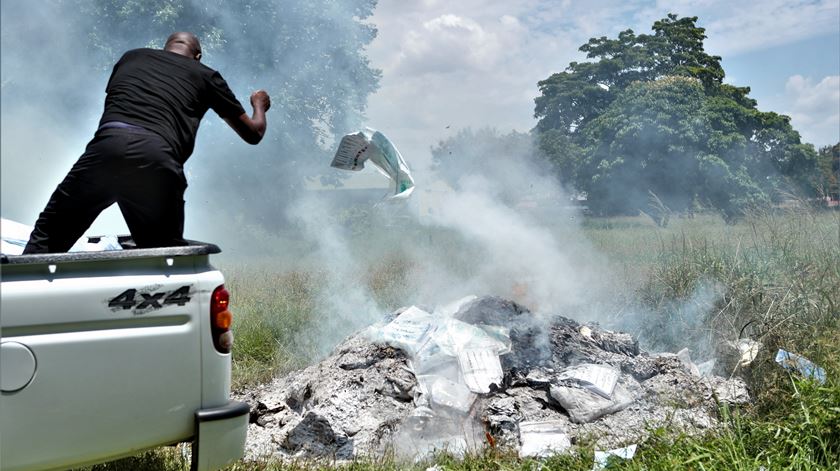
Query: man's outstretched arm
[[252, 129]]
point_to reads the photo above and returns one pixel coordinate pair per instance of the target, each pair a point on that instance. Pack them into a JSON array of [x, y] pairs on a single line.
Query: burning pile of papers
[[481, 372]]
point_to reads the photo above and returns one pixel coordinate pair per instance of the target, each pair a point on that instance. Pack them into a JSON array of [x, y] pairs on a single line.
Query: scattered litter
[[480, 369], [599, 379], [370, 144], [792, 361], [543, 439], [602, 458], [748, 350]]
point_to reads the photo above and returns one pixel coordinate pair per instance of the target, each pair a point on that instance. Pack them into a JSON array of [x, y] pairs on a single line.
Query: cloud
[[448, 43], [459, 64], [477, 63], [815, 108], [738, 27]]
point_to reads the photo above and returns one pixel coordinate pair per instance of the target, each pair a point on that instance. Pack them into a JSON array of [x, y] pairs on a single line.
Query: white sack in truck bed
[[354, 149], [14, 236]]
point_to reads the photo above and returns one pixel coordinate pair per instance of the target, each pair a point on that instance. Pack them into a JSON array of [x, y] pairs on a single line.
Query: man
[[154, 104]]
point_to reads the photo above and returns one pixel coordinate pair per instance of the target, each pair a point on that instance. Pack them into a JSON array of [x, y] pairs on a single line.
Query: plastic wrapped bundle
[[357, 148]]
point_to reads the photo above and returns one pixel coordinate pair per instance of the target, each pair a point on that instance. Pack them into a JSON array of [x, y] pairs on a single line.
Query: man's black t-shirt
[[168, 94]]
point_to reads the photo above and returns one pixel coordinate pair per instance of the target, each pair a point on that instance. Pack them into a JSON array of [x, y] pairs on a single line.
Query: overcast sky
[[477, 62]]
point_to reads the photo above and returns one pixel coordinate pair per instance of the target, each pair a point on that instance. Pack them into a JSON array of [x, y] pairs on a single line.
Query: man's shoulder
[[141, 51], [138, 54], [169, 59], [167, 56]]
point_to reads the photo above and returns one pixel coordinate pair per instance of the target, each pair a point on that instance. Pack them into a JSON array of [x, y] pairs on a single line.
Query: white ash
[[364, 399]]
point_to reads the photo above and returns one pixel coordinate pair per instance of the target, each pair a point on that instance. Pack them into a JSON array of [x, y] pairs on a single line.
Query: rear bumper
[[220, 435]]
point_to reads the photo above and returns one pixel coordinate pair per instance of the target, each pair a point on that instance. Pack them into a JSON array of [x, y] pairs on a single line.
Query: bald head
[[183, 43]]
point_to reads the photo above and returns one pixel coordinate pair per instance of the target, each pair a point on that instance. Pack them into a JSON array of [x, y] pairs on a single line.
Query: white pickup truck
[[106, 354]]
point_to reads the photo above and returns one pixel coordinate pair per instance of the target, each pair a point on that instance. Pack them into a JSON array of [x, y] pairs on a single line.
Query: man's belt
[[119, 124]]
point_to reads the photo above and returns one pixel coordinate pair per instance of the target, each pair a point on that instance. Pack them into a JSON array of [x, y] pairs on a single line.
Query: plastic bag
[[543, 439], [408, 332], [599, 379], [792, 361], [357, 148], [442, 392], [454, 336], [602, 458], [480, 369], [584, 406], [14, 237]]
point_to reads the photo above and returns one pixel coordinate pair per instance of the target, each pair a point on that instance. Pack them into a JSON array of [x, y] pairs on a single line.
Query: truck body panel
[[123, 356]]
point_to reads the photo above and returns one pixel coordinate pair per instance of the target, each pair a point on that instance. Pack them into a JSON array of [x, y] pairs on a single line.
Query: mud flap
[[220, 435]]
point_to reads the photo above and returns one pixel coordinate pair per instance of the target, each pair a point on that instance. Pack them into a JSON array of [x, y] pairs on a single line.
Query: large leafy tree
[[650, 118], [308, 55], [828, 178]]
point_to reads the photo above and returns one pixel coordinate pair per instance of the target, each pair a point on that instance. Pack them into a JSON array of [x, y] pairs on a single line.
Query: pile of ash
[[481, 372]]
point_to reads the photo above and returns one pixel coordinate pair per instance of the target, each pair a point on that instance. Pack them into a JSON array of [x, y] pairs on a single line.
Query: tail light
[[221, 320]]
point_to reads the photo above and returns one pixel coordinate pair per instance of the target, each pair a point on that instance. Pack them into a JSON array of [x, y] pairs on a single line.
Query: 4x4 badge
[[128, 299]]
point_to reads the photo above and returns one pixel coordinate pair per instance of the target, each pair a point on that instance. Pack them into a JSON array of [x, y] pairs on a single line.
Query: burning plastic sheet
[[445, 393], [408, 331], [794, 362], [685, 358], [590, 391], [603, 458], [420, 434], [451, 359], [454, 336], [543, 439], [480, 369], [707, 368], [584, 406], [357, 148]]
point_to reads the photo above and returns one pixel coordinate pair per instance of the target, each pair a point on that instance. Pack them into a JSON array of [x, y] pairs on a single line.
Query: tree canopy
[[650, 115], [828, 179]]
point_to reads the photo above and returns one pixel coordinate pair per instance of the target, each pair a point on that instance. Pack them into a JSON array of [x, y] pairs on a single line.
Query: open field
[[774, 277]]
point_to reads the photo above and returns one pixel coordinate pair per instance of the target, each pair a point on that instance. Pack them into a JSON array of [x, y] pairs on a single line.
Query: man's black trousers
[[134, 168]]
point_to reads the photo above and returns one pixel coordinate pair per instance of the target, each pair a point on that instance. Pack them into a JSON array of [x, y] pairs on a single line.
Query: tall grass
[[272, 310]]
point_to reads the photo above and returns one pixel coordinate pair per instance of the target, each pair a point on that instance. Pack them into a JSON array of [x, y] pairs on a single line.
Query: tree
[[308, 55], [651, 115], [828, 179]]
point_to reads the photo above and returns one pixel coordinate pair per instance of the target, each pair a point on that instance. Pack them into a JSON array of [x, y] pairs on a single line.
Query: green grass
[[774, 276]]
